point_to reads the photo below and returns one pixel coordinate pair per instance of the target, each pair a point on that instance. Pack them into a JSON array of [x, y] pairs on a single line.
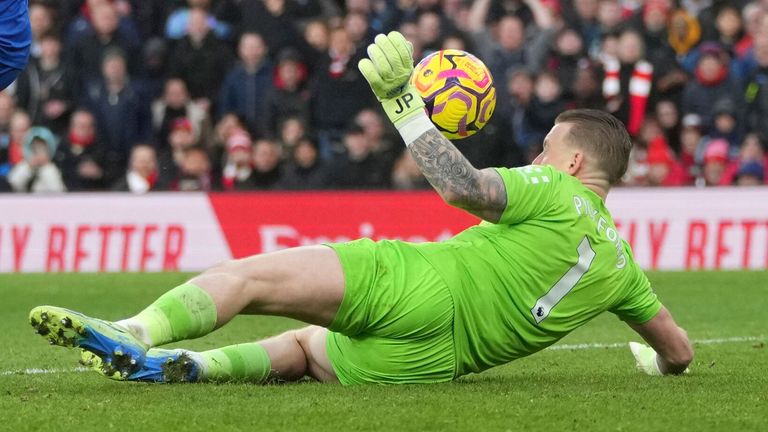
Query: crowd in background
[[203, 95]]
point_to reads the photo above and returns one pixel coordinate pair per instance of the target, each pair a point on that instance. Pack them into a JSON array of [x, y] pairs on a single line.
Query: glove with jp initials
[[388, 70]]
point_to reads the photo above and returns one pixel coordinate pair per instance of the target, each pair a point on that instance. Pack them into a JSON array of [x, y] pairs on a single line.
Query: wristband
[[414, 127]]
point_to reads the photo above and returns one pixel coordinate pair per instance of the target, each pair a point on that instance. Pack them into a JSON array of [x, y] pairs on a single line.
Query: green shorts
[[395, 324]]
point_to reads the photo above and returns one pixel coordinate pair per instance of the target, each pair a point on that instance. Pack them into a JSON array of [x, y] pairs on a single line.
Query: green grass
[[587, 389]]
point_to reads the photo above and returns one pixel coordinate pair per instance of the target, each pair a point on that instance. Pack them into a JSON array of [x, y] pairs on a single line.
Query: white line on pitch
[[624, 344], [36, 371], [574, 347]]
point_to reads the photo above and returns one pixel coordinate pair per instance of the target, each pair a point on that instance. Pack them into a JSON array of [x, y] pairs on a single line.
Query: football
[[458, 91]]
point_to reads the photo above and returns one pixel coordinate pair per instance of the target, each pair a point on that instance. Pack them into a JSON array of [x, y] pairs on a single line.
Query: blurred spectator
[[142, 175], [715, 160], [239, 166], [178, 22], [305, 169], [750, 174], [336, 80], [729, 27], [711, 84], [547, 103], [200, 59], [291, 130], [668, 77], [430, 32], [150, 16], [586, 19], [289, 96], [751, 151], [376, 132], [490, 146], [41, 22], [87, 53], [690, 139], [663, 168], [668, 118], [358, 168], [410, 31], [37, 173], [456, 41], [627, 81], [227, 125], [87, 21], [406, 174], [655, 16], [154, 60], [86, 163], [610, 18], [609, 46], [752, 15], [317, 37], [510, 48], [194, 171], [684, 32], [637, 168], [21, 125], [566, 59], [586, 88], [248, 83], [121, 113], [275, 20], [725, 124], [175, 104], [757, 89], [45, 87], [180, 139], [356, 25], [267, 165], [520, 96], [706, 11]]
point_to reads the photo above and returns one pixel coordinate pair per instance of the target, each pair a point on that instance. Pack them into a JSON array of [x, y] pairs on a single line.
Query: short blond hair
[[603, 136]]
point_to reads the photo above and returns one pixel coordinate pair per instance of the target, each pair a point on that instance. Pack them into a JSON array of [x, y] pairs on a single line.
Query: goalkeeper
[[546, 259]]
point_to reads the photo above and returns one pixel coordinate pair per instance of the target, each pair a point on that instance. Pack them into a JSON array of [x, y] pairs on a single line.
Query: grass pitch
[[588, 387]]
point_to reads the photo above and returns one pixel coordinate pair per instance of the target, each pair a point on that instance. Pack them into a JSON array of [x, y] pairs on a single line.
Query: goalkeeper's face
[[559, 152]]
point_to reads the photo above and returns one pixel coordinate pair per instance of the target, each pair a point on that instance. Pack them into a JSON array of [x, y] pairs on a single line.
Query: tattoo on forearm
[[451, 174]]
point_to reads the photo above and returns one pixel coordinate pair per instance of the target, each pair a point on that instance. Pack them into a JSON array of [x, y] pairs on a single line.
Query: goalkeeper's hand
[[388, 70]]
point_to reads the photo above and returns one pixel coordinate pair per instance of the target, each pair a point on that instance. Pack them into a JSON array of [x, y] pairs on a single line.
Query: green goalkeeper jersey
[[553, 262]]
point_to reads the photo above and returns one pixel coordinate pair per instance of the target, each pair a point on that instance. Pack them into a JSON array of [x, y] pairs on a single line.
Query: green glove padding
[[388, 71]]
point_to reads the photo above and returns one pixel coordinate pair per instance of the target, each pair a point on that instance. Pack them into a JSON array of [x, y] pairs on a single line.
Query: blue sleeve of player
[[15, 39]]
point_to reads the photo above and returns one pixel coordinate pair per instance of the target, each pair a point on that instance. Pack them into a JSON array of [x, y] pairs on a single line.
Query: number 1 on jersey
[[545, 303]]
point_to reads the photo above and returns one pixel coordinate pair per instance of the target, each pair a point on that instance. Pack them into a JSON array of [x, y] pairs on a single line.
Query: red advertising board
[[257, 223], [669, 229]]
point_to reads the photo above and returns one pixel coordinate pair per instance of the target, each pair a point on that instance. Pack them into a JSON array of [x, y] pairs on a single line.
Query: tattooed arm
[[480, 192]]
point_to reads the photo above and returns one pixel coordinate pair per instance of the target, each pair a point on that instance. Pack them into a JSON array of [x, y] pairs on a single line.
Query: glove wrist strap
[[414, 126]]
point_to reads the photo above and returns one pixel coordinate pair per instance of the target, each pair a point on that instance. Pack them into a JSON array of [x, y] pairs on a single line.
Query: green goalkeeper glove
[[388, 71], [645, 358]]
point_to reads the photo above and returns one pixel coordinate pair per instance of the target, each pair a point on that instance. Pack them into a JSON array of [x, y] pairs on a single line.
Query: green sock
[[243, 362], [185, 312]]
